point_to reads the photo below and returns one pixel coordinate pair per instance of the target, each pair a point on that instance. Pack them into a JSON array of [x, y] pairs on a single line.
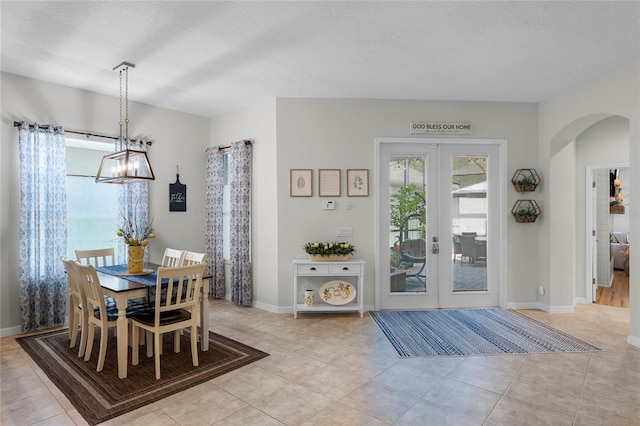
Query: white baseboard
[[580, 301], [530, 305], [633, 341], [10, 331], [543, 307], [562, 309]]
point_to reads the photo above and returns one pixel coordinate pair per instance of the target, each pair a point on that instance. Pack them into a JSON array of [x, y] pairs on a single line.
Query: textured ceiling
[[208, 58]]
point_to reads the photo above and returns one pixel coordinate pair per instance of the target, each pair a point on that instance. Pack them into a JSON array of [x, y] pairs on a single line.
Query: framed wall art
[[301, 182], [329, 182], [357, 182]]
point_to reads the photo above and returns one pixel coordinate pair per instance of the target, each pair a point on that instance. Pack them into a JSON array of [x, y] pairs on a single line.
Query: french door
[[439, 223]]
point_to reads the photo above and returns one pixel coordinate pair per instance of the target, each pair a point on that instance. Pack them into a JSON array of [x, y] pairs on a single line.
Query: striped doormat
[[466, 332]]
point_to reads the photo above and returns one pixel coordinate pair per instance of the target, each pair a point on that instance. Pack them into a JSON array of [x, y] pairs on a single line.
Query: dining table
[[122, 286]]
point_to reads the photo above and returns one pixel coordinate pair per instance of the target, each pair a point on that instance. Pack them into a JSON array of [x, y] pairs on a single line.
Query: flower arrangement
[[625, 252], [617, 199], [328, 248], [134, 232]]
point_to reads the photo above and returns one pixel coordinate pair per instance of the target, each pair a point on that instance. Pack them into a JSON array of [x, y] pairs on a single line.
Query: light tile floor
[[339, 369]]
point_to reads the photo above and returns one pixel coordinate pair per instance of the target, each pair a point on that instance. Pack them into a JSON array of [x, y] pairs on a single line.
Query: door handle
[[435, 249]]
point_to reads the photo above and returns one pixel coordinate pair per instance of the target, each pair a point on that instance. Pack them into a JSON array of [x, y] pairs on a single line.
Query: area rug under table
[[466, 332], [102, 396]]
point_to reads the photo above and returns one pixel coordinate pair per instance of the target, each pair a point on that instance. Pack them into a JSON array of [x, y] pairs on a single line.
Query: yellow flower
[[152, 235], [144, 243], [120, 234]]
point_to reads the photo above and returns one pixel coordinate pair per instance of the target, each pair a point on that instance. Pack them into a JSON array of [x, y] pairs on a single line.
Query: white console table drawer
[[307, 269], [349, 269]]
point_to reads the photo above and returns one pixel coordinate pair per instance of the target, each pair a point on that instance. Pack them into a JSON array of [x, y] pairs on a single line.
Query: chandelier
[[126, 165]]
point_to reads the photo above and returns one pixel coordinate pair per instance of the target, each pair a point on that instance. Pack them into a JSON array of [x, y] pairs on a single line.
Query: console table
[[347, 268]]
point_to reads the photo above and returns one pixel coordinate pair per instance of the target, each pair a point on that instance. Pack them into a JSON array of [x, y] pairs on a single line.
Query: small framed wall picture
[[329, 182], [301, 182], [357, 182]]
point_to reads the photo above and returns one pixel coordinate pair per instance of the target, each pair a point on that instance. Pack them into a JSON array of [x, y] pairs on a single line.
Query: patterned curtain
[[43, 226], [240, 229], [133, 203], [215, 226]]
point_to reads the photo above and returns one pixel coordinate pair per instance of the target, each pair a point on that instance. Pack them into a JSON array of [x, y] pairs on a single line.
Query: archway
[[566, 204]]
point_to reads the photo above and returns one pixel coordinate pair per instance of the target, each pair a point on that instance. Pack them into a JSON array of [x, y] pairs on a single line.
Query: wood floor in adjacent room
[[617, 294]]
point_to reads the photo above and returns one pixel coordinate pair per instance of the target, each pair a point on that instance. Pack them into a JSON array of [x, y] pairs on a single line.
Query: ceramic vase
[[308, 299], [135, 261]]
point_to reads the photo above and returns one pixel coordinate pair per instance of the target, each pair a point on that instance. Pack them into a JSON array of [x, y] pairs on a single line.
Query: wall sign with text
[[177, 196], [442, 127]]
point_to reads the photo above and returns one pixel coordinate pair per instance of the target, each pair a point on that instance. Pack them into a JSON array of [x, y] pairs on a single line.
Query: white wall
[[178, 139], [339, 134], [258, 123], [561, 119]]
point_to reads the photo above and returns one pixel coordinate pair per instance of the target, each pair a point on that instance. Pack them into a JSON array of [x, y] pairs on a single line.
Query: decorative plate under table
[[337, 292]]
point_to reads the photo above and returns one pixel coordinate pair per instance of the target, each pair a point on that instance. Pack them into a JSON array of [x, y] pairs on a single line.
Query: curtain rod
[[221, 148], [149, 143]]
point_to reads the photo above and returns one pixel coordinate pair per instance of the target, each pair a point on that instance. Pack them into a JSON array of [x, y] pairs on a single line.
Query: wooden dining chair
[[172, 257], [96, 257], [171, 313], [191, 258], [76, 304], [96, 307]]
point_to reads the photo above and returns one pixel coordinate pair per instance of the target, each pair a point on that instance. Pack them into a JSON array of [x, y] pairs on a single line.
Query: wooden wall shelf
[[526, 211], [616, 209], [525, 180]]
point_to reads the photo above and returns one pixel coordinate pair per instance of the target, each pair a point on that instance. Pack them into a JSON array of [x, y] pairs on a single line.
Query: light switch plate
[[344, 232], [329, 205]]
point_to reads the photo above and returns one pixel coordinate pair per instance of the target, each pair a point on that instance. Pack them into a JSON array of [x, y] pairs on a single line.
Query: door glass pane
[[407, 227], [469, 223]]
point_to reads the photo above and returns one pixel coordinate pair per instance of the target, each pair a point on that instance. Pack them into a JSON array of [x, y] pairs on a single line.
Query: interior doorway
[[607, 229]]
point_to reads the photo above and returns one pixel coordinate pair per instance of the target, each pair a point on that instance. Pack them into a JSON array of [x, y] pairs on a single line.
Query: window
[[92, 209]]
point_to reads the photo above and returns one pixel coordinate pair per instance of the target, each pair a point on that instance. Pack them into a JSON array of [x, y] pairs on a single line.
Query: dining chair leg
[[176, 341], [90, 333], [83, 334], [156, 343], [73, 329], [135, 343], [149, 339], [194, 345], [73, 325], [104, 337]]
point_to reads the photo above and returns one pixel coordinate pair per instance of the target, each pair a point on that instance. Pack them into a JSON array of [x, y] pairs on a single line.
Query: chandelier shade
[[126, 165]]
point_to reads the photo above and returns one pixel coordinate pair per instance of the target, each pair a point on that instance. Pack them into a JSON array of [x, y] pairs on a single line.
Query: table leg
[[123, 335], [204, 317]]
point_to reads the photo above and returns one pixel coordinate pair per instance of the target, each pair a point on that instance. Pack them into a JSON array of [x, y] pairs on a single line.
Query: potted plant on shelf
[[615, 202], [525, 211], [525, 180], [526, 183], [329, 251]]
